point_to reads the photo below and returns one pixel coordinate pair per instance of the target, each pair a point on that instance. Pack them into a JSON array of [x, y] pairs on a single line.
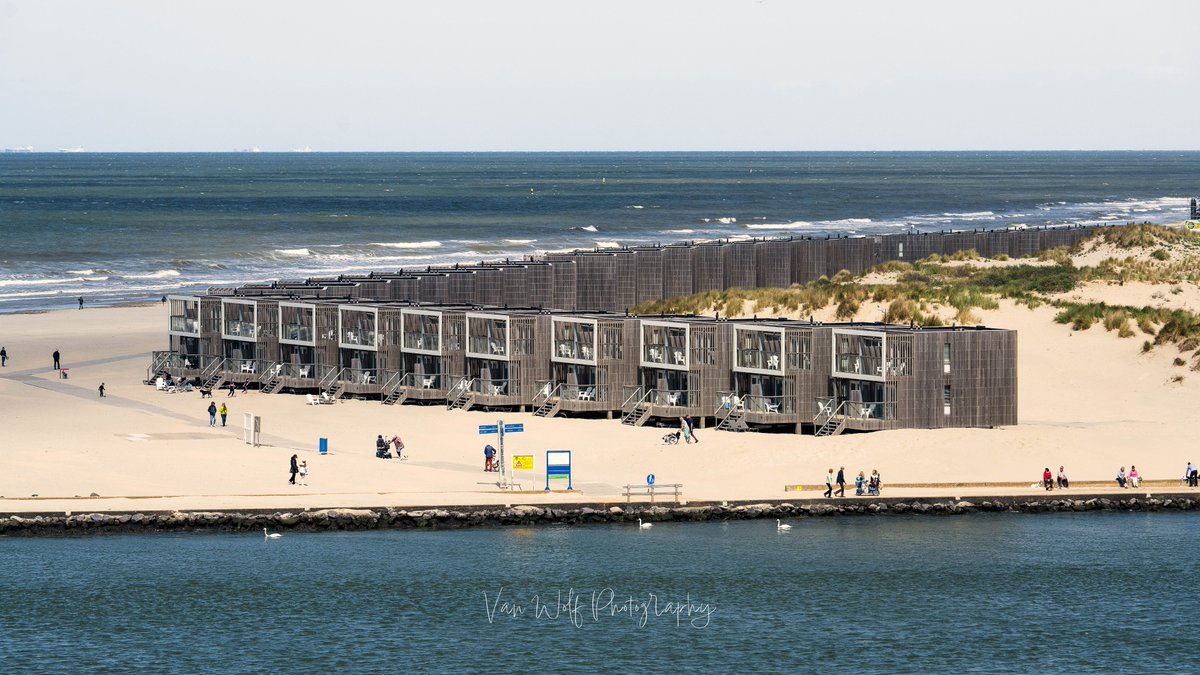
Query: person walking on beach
[[685, 430], [1193, 478], [295, 469], [212, 414], [829, 483], [57, 366], [101, 390], [232, 390], [304, 473], [81, 302], [691, 428], [1063, 483], [3, 357], [841, 481], [224, 413]]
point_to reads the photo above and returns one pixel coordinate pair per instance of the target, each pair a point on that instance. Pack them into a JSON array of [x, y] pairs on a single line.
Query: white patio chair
[[678, 358], [772, 407], [427, 382], [498, 389], [312, 400], [247, 366], [588, 394], [673, 398], [303, 371], [160, 384], [773, 362]]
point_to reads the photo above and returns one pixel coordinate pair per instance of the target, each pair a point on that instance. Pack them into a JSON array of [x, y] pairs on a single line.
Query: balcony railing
[[572, 349], [244, 329], [664, 355], [424, 341], [297, 331], [366, 376], [185, 324], [759, 359], [435, 382], [870, 410], [244, 366], [360, 338], [301, 371], [496, 387], [486, 345], [855, 364], [672, 398]]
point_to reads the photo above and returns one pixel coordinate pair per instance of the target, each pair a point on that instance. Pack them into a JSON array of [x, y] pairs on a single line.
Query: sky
[[518, 75]]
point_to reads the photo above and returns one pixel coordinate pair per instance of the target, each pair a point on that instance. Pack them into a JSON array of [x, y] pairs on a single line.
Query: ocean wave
[[293, 252], [635, 206], [17, 283], [849, 221], [797, 225], [683, 231], [89, 273], [161, 274], [408, 244], [725, 220], [520, 242], [586, 228], [970, 214]]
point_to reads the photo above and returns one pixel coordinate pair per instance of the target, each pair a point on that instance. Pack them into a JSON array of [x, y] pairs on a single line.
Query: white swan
[[271, 535], [644, 526], [781, 526]]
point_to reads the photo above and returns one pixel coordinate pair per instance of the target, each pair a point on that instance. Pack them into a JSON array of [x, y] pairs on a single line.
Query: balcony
[[421, 341], [759, 359], [486, 346], [855, 364], [297, 332], [185, 324], [360, 338], [574, 349], [240, 329]]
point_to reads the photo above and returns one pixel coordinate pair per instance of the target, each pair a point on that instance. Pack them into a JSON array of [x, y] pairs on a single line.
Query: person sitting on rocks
[[1121, 480]]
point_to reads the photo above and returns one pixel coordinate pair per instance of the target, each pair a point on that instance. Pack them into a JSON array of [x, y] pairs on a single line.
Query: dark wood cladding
[[616, 280]]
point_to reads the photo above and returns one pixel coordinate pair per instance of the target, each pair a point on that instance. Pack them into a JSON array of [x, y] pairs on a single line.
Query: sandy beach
[[1088, 400]]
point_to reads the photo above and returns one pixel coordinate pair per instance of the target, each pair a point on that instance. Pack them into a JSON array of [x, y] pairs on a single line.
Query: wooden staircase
[[158, 365], [213, 375], [460, 397], [393, 390], [550, 405], [732, 421], [271, 382], [834, 424], [331, 385]]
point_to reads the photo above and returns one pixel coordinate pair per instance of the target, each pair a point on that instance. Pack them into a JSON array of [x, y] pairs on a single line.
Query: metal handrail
[[329, 378], [728, 402], [545, 390], [215, 366], [269, 372], [393, 383], [631, 392]]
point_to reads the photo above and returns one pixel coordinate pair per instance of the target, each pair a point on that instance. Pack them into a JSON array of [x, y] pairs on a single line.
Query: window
[[946, 399], [946, 358]]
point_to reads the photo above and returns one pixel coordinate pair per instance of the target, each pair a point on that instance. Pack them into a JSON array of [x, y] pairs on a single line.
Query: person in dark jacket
[[55, 355], [3, 356], [841, 481], [295, 469], [212, 414]]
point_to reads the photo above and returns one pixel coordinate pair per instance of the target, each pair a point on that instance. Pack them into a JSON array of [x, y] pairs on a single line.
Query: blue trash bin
[[324, 445]]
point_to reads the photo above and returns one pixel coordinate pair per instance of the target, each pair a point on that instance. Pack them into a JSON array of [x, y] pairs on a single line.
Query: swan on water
[[781, 526], [271, 535], [644, 526]]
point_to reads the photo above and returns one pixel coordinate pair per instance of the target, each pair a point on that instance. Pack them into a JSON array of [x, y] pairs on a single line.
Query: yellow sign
[[1193, 225], [522, 462]]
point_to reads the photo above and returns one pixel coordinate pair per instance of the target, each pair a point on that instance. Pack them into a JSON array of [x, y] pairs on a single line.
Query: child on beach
[[3, 357], [101, 390], [829, 484], [304, 473]]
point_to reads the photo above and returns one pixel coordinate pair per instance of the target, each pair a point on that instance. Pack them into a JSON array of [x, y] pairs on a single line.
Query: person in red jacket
[[1048, 479]]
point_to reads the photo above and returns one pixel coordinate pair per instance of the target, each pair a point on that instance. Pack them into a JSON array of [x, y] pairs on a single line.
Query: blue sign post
[[500, 428], [558, 467], [650, 479]]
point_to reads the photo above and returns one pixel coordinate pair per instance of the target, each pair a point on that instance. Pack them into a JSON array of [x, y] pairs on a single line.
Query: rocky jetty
[[564, 514]]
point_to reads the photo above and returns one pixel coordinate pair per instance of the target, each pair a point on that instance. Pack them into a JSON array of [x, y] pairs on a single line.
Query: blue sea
[[987, 593], [131, 227]]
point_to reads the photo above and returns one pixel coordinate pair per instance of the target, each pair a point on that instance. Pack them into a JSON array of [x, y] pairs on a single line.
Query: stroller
[[671, 438]]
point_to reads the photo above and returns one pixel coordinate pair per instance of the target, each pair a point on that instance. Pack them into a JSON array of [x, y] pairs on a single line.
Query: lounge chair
[[588, 394], [312, 400], [679, 358], [427, 382], [772, 407], [303, 371], [160, 384]]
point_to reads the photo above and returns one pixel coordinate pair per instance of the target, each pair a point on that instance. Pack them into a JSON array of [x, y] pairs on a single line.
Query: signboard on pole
[[558, 467], [522, 462]]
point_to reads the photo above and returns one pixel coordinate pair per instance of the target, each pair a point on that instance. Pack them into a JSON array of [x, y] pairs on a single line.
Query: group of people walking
[[687, 429], [213, 411], [863, 485]]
